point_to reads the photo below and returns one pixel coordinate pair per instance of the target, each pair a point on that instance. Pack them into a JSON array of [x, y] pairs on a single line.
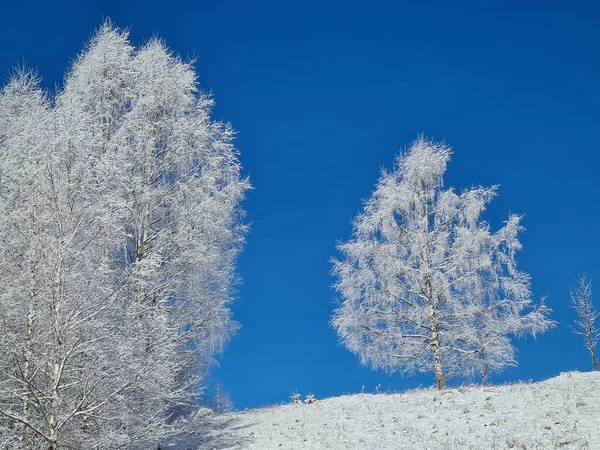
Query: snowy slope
[[561, 413]]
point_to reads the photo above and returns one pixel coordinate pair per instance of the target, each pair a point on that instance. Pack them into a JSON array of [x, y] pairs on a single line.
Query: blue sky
[[325, 94]]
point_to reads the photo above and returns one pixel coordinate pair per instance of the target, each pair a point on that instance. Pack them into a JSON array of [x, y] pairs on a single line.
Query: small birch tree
[[581, 301], [425, 284]]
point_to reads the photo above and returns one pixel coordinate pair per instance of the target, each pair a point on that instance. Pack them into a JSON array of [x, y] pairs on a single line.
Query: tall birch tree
[[425, 285], [121, 225]]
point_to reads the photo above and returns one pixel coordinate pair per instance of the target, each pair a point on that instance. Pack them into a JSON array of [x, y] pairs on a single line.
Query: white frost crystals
[[425, 285], [120, 227]]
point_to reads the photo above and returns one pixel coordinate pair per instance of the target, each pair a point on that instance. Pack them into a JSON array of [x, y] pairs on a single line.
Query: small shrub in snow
[[295, 397], [310, 398]]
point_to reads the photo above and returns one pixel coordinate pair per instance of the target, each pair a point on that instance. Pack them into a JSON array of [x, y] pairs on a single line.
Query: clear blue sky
[[326, 93]]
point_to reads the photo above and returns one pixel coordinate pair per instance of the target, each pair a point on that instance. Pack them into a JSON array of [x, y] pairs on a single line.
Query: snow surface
[[561, 413]]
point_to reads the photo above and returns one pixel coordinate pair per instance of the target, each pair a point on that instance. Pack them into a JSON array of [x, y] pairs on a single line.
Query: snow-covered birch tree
[[425, 285], [120, 228], [587, 315]]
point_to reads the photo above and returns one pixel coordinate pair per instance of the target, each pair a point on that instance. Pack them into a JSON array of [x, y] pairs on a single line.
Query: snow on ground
[[559, 413]]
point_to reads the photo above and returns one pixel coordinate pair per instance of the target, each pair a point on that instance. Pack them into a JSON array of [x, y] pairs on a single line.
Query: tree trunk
[[58, 359], [437, 358], [435, 336], [28, 354], [53, 438], [30, 319], [28, 351], [53, 441], [483, 369], [591, 345], [53, 398]]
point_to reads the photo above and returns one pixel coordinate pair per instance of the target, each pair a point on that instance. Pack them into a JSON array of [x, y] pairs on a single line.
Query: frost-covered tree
[[581, 301], [60, 365], [425, 284], [220, 400], [118, 238]]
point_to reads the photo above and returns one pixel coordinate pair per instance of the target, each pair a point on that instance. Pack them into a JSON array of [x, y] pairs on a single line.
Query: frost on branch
[[425, 284]]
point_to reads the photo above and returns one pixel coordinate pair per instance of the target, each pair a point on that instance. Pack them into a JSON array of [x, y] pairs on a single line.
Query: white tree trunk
[[30, 320]]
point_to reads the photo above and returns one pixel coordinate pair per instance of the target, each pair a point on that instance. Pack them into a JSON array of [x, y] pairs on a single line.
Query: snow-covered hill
[[559, 413]]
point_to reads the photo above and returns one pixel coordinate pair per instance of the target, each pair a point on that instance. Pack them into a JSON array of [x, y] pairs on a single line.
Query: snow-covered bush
[[296, 399]]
